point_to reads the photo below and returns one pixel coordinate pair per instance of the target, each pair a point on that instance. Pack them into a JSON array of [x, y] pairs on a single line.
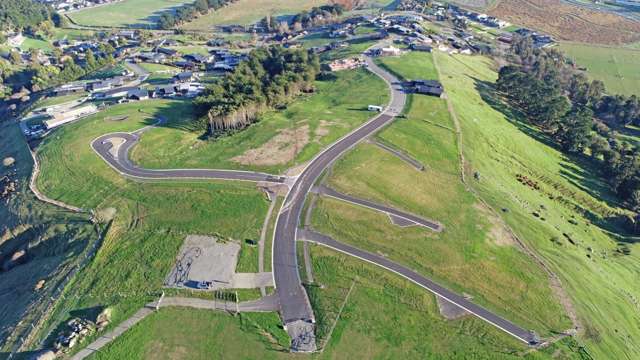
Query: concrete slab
[[204, 258], [116, 142], [251, 280]]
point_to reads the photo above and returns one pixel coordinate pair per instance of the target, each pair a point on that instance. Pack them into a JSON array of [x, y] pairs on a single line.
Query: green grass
[[384, 317], [127, 13], [107, 72], [355, 48], [328, 114], [57, 100], [601, 284], [152, 218], [617, 67], [472, 255], [173, 333], [32, 43], [154, 68], [246, 12], [268, 241], [410, 66]]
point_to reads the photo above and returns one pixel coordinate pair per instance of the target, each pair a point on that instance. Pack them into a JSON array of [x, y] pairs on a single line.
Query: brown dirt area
[[568, 22], [498, 234], [281, 149]]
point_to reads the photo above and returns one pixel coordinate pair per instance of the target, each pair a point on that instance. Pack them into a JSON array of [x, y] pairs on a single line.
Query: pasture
[[617, 67], [125, 13]]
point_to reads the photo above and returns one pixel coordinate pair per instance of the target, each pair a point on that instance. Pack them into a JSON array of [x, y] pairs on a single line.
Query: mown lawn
[[152, 218], [328, 114], [617, 67], [126, 13], [573, 231]]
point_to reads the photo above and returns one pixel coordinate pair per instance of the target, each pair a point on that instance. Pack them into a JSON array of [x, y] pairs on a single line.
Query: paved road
[[417, 220], [122, 164], [503, 324], [294, 302]]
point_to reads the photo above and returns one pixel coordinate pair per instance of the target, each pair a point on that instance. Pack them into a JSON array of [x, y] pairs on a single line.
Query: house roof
[[139, 93]]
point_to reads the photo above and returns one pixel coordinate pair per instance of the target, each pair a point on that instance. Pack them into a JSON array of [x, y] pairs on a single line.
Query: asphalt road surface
[[294, 303], [495, 320], [429, 224], [122, 164]]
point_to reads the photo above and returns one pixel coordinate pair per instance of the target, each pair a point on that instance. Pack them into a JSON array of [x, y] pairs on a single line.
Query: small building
[[166, 90], [420, 47], [113, 93], [387, 51], [197, 58], [185, 76], [138, 94], [69, 89], [167, 51]]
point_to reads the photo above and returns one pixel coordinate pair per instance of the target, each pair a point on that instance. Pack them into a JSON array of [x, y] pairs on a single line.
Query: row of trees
[[576, 112], [188, 12], [269, 78], [318, 15]]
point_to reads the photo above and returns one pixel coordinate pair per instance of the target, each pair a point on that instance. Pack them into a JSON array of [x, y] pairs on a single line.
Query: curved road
[[122, 164], [294, 302]]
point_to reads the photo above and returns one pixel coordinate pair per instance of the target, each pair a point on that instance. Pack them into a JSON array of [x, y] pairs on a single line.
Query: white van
[[375, 108]]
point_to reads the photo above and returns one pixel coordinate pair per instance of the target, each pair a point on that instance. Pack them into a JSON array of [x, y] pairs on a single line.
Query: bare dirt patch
[[281, 149], [449, 310], [568, 22], [498, 234]]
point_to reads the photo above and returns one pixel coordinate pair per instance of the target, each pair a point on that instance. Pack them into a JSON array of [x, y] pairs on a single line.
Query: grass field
[[126, 13], [57, 100], [474, 254], [249, 11], [151, 219], [33, 43], [617, 67], [572, 231], [384, 317], [320, 119]]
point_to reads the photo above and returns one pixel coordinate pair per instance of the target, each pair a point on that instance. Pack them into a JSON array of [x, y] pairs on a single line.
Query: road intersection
[[293, 302]]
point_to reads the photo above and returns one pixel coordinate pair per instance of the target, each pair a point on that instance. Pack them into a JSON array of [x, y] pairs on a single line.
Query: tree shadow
[[180, 114], [584, 174]]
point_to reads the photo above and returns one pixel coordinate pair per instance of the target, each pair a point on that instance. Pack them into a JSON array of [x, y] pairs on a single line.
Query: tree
[[91, 60], [574, 129], [15, 57], [201, 6]]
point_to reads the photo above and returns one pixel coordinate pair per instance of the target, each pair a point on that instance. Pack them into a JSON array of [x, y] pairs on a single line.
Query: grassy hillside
[[151, 218], [56, 240], [383, 317], [300, 131], [562, 212], [125, 13], [617, 67], [474, 254]]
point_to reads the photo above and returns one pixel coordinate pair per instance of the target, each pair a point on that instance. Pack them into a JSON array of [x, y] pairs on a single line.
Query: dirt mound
[[568, 22], [281, 149]]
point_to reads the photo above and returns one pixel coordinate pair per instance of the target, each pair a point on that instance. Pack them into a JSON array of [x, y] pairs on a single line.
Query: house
[[197, 58], [427, 87], [166, 90], [387, 51], [429, 90], [69, 89], [113, 93], [419, 47], [186, 76], [167, 51], [185, 64], [152, 57], [138, 94]]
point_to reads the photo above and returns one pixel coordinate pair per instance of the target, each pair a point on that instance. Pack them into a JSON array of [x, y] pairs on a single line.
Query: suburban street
[[293, 302], [122, 164], [484, 314]]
